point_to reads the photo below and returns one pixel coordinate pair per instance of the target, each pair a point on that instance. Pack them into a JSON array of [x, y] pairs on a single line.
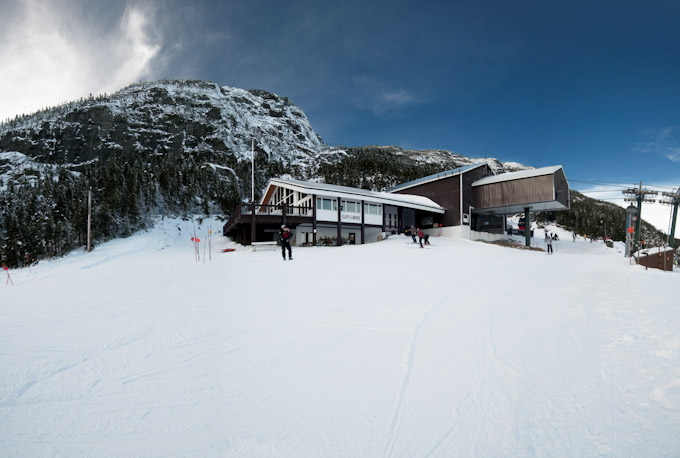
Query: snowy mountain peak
[[154, 118]]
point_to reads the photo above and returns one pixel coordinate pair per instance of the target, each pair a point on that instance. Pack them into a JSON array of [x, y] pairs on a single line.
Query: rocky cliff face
[[164, 117]]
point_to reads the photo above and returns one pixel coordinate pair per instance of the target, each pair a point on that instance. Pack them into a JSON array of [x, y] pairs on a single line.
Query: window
[[373, 209], [351, 206], [326, 204]]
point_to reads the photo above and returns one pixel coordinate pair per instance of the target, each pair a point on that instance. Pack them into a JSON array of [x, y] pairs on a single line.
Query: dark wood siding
[[562, 188], [469, 178], [507, 193], [445, 192]]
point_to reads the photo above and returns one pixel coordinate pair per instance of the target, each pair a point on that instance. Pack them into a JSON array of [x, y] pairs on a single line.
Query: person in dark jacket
[[285, 243]]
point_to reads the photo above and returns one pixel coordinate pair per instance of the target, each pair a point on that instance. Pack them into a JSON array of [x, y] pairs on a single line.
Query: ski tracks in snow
[[481, 386], [396, 421]]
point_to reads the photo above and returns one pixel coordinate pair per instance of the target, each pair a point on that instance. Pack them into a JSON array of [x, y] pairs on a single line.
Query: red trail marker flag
[[9, 279]]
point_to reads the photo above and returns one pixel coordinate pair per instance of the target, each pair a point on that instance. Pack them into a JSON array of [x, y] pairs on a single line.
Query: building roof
[[436, 176], [345, 192], [517, 175]]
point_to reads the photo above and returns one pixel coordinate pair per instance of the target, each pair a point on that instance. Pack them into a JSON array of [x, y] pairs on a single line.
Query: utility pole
[[252, 172], [639, 196], [672, 198], [89, 219], [253, 230]]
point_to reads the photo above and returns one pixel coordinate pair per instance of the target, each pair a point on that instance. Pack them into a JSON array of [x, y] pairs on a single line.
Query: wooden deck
[[267, 218]]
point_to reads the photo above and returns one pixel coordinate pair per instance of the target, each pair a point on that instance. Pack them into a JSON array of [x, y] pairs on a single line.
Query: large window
[[350, 206], [326, 204], [373, 209]]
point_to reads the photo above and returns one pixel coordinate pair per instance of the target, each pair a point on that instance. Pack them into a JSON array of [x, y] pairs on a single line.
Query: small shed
[[656, 258]]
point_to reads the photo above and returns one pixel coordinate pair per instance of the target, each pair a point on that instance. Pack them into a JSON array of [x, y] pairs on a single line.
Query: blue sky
[[594, 86]]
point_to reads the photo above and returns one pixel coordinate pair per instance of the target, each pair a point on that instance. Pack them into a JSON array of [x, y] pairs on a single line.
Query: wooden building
[[451, 189], [320, 213], [477, 200]]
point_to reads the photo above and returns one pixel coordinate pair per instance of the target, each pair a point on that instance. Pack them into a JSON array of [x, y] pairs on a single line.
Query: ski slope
[[462, 349]]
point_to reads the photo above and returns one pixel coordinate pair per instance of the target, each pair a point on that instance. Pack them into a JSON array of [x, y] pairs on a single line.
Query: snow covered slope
[[383, 350]]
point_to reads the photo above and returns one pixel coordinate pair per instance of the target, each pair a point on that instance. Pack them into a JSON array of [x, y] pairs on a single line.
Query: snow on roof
[[436, 176], [403, 200], [653, 251], [517, 175]]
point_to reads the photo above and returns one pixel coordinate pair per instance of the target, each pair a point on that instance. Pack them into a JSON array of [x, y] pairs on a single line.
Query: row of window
[[348, 206]]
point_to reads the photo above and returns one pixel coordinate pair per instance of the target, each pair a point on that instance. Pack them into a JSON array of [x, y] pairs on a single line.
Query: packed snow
[[461, 349]]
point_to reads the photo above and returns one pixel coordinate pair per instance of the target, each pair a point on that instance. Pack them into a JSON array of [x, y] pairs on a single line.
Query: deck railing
[[245, 211], [275, 210]]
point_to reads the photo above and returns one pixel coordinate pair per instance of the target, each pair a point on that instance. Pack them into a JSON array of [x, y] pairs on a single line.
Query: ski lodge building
[[325, 214], [466, 202]]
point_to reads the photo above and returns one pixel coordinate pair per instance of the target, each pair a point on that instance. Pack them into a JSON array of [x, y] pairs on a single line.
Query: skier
[[426, 239], [420, 237], [285, 243], [413, 234], [548, 242]]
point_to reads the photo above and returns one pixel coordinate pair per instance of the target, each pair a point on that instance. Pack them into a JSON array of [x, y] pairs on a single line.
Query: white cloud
[[52, 52], [400, 97], [664, 142], [379, 98]]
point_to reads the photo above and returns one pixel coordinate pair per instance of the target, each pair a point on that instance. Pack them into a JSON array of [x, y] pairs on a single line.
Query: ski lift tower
[[638, 195], [672, 198], [631, 219]]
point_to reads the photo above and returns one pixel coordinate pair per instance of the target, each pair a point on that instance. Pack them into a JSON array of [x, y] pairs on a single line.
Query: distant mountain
[[170, 147]]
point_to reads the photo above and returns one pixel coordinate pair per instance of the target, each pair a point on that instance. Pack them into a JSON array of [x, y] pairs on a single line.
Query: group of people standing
[[285, 235], [422, 237]]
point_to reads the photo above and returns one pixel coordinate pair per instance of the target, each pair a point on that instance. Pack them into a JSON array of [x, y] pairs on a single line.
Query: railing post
[[363, 204], [339, 222]]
